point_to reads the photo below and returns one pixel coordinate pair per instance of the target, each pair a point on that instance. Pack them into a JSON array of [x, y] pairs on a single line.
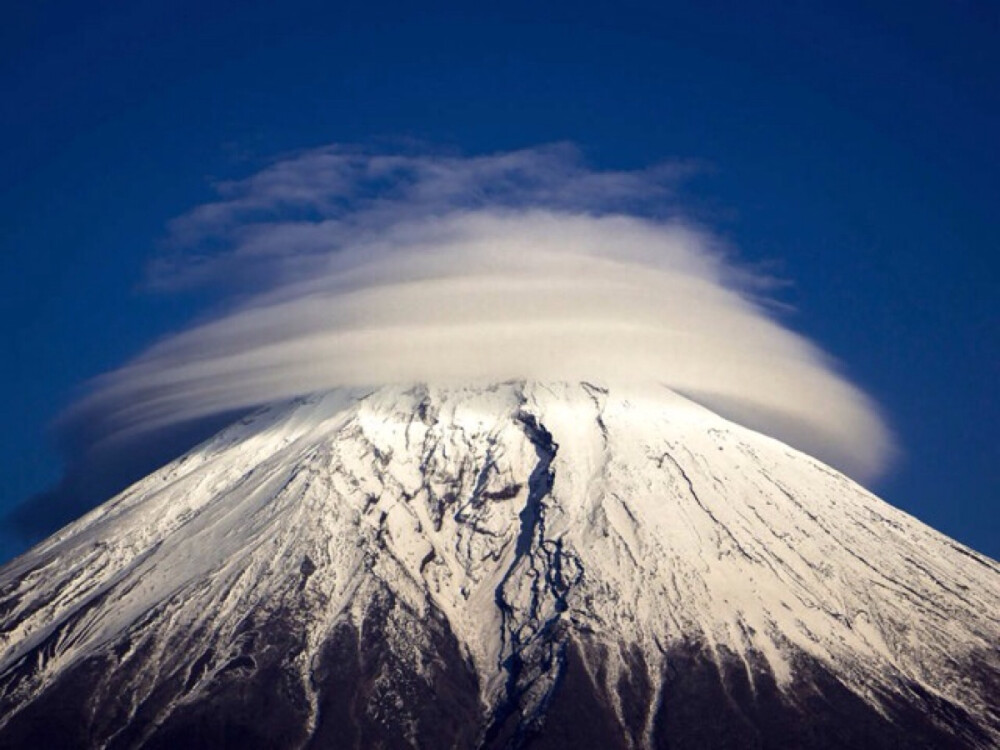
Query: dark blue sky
[[853, 146]]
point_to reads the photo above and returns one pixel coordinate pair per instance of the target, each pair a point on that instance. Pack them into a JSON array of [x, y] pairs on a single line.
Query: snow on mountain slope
[[523, 563]]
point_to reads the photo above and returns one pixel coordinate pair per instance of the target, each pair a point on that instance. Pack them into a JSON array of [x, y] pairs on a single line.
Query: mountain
[[521, 565]]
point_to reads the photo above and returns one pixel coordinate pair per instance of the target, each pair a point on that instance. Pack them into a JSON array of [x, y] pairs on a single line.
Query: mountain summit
[[521, 565]]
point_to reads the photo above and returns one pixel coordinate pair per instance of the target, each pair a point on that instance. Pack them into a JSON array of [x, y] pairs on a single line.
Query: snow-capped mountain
[[527, 564]]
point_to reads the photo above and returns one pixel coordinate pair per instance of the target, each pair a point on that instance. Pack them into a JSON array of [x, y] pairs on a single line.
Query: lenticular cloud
[[368, 269]]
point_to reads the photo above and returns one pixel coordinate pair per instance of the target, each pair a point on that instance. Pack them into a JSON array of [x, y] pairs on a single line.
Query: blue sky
[[849, 147]]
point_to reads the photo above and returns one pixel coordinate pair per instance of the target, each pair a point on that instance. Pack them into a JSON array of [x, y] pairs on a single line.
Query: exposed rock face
[[524, 565]]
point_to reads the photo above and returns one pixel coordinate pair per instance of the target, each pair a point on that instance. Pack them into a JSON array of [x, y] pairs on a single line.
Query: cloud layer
[[370, 268]]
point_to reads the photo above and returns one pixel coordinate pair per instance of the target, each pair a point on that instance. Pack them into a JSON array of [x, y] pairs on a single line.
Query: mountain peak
[[502, 565]]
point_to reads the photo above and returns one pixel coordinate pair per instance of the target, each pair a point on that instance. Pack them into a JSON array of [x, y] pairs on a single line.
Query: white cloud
[[444, 269]]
